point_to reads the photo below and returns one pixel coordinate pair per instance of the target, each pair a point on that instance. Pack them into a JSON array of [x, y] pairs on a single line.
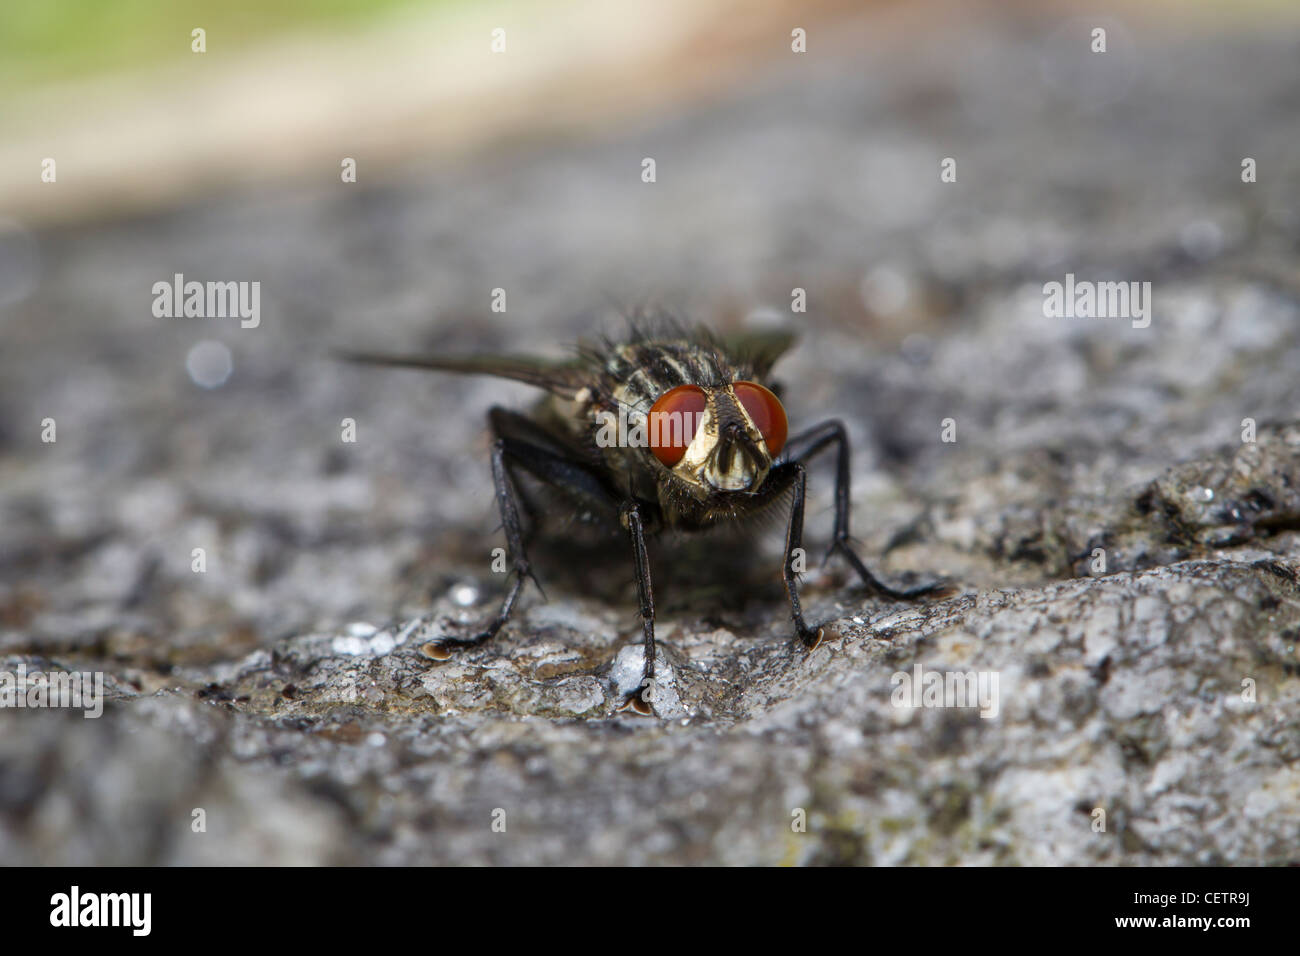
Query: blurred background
[[521, 169]]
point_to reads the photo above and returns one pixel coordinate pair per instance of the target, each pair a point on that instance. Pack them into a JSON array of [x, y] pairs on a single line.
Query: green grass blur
[[44, 41]]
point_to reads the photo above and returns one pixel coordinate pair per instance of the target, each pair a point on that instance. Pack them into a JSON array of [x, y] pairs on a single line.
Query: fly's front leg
[[810, 637], [790, 477], [641, 700], [803, 447]]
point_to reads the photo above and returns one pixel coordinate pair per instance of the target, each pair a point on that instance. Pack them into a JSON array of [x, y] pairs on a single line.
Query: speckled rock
[[1118, 668]]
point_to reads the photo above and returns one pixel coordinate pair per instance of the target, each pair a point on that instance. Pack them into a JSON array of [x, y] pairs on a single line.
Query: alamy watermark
[[1098, 300], [923, 688], [63, 689], [657, 430], [208, 300], [133, 911]]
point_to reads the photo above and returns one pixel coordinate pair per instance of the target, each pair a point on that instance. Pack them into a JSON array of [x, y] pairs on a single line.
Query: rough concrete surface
[[284, 691]]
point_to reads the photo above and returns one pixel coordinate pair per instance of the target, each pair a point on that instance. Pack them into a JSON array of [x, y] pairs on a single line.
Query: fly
[[671, 428]]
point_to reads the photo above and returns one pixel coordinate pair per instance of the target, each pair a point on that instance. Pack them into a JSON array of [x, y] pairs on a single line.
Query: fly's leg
[[810, 637], [642, 699], [521, 443], [803, 447], [790, 477], [550, 468], [520, 569], [520, 429]]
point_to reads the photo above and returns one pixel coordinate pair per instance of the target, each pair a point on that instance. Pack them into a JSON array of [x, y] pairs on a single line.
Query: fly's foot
[[811, 637], [642, 700], [436, 651], [635, 703], [443, 648]]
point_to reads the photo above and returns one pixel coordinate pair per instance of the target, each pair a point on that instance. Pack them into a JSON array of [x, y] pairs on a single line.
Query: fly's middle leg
[[520, 567], [549, 466]]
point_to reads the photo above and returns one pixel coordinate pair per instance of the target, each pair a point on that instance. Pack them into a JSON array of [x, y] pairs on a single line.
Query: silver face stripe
[[700, 466]]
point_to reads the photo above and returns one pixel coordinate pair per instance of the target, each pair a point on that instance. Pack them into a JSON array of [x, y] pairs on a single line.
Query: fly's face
[[718, 440]]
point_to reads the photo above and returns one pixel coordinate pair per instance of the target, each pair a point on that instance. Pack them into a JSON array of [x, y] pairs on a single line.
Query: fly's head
[[718, 440]]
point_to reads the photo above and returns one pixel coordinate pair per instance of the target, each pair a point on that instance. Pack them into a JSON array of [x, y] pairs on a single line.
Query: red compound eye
[[766, 411], [673, 421]]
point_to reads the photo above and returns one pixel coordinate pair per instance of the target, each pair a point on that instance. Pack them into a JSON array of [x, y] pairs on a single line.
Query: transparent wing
[[558, 377], [759, 349]]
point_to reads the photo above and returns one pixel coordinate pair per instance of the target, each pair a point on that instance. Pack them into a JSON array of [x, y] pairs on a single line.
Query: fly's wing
[[564, 379], [759, 350]]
